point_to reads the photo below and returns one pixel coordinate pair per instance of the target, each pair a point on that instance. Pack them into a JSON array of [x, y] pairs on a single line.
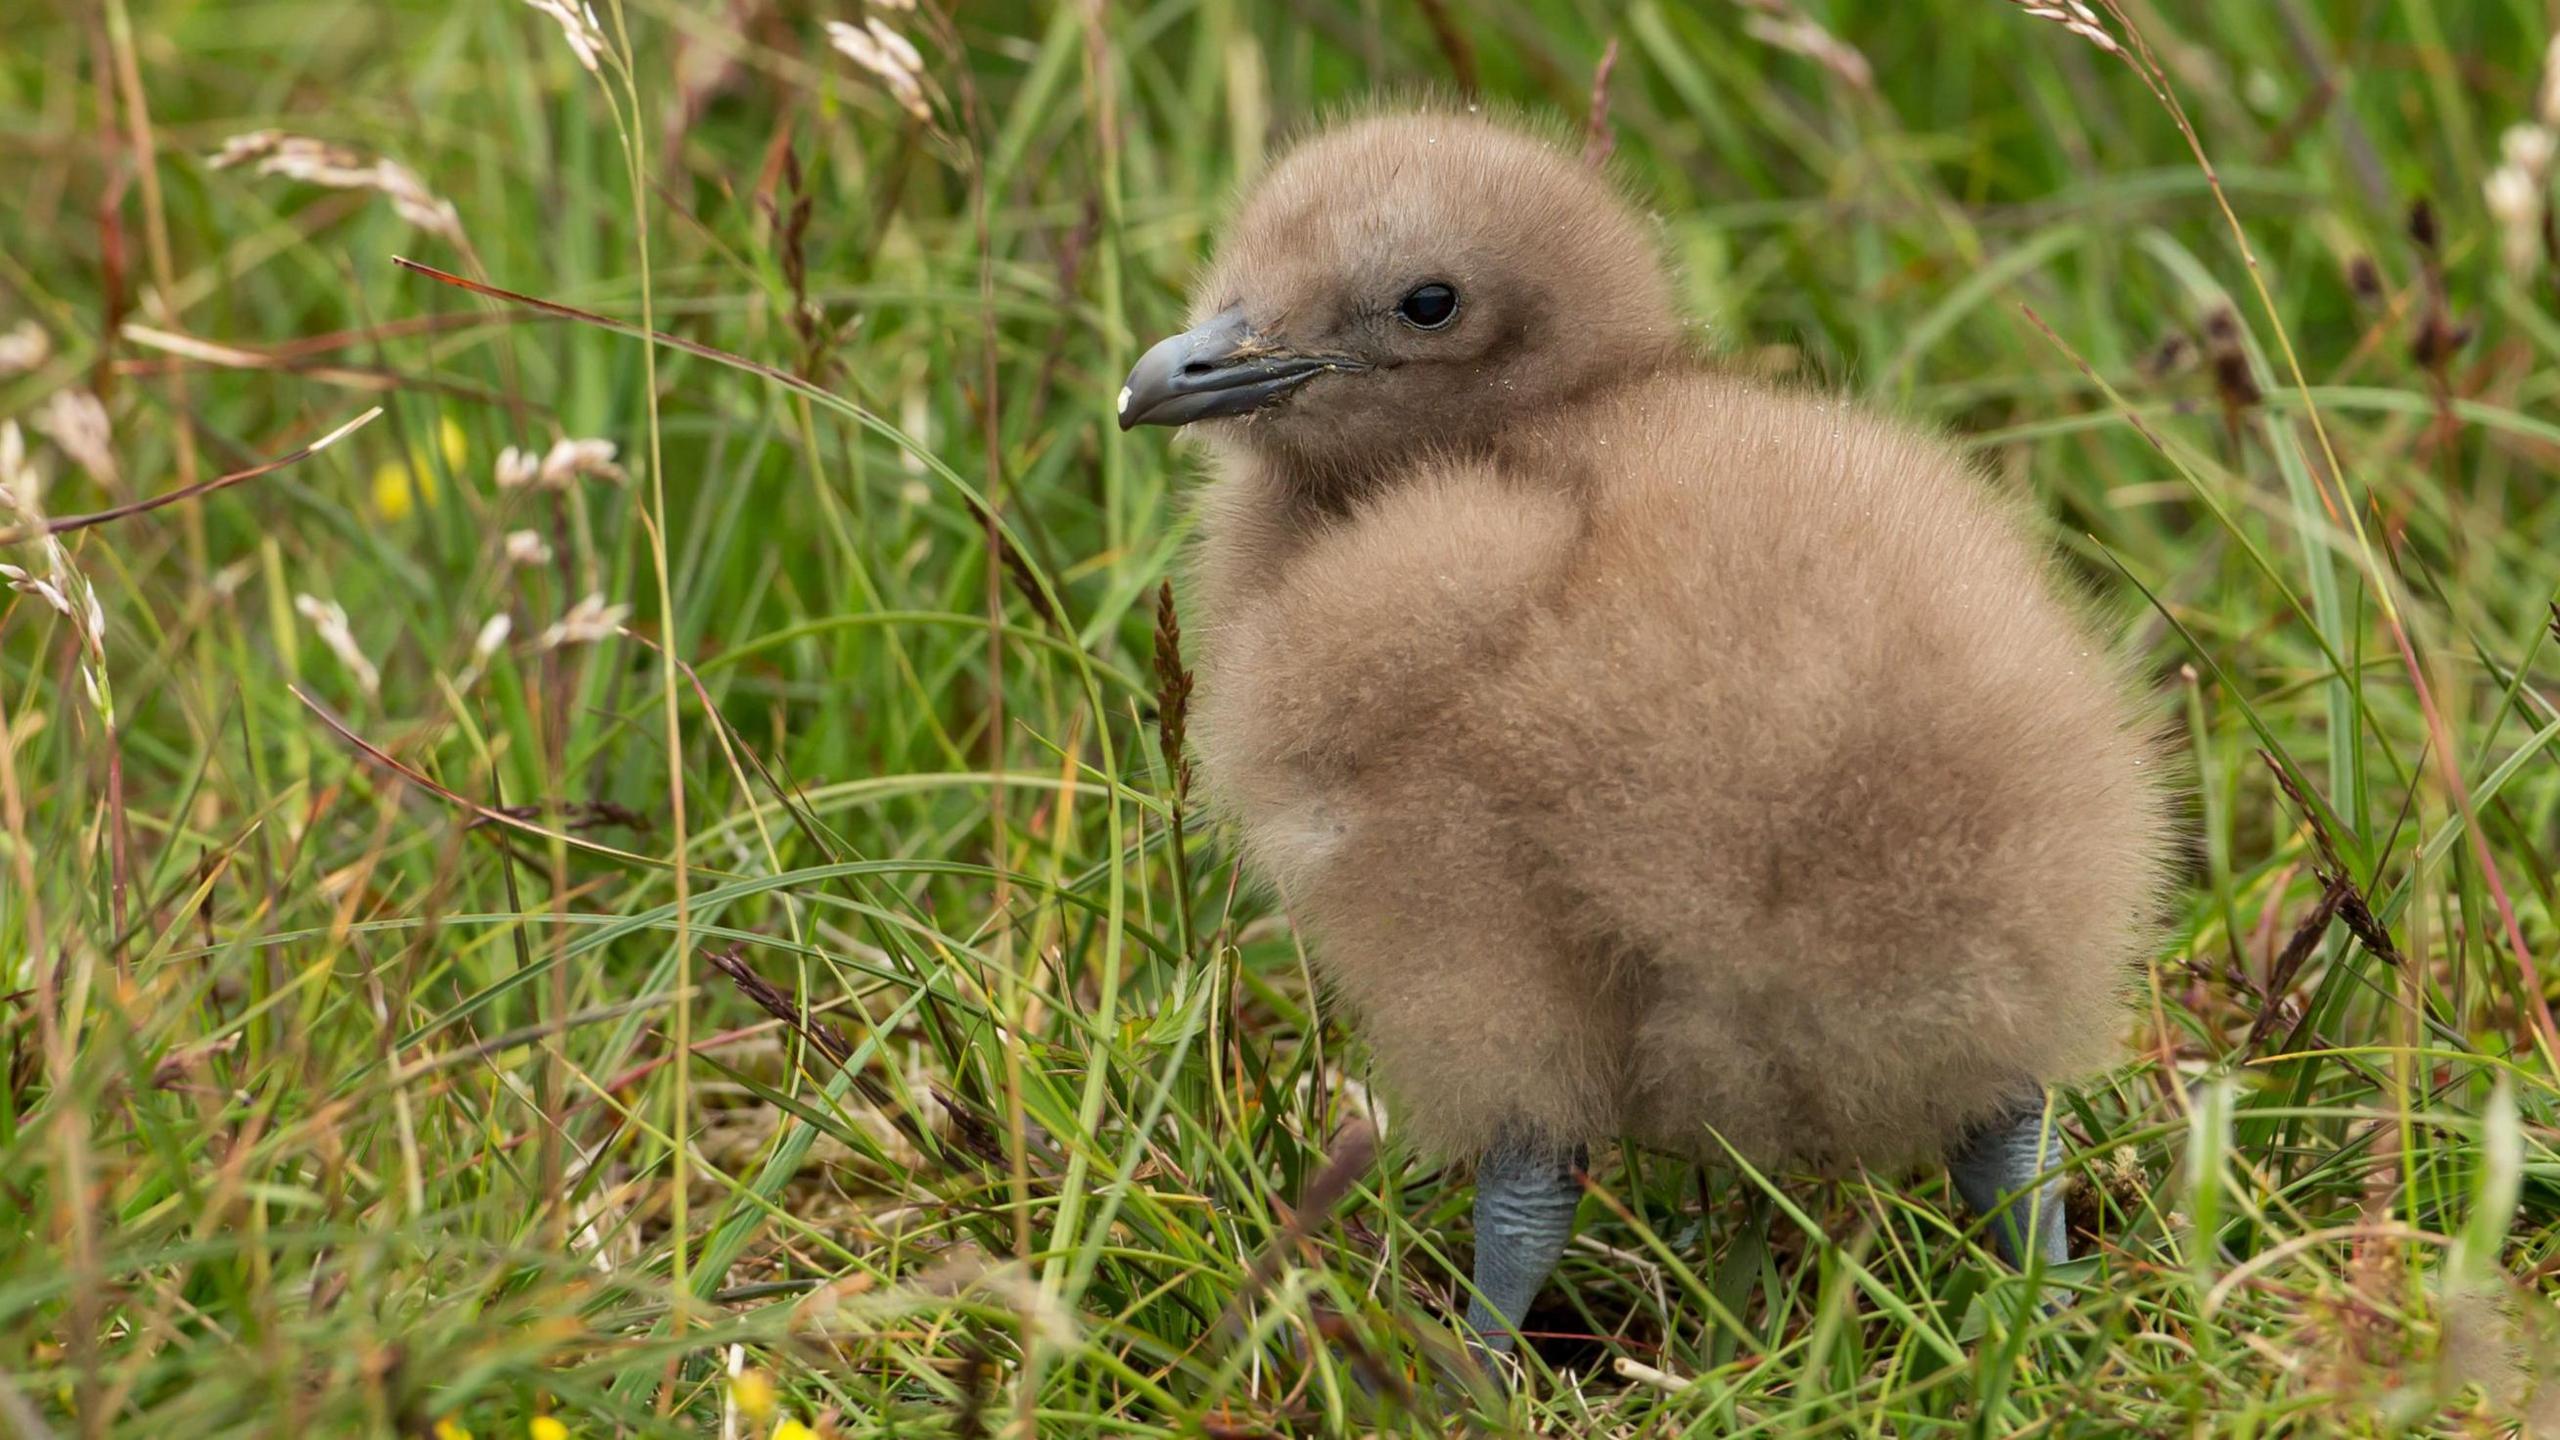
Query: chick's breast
[[1343, 725]]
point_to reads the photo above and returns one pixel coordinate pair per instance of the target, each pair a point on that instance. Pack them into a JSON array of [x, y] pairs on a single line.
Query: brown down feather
[[1643, 750]]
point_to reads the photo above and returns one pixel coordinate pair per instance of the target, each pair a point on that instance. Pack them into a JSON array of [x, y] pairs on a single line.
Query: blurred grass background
[[368, 1066]]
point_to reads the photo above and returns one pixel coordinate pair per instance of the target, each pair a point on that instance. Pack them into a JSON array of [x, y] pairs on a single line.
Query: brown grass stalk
[[1354, 1151], [1454, 45], [976, 1136], [1599, 140]]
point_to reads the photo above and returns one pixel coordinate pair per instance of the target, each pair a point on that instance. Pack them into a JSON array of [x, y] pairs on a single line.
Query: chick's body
[[1675, 753], [1708, 757]]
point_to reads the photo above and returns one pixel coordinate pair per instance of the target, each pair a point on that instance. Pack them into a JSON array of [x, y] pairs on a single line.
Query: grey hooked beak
[[1219, 367]]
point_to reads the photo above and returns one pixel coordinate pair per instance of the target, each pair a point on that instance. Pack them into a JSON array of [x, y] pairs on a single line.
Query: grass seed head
[[580, 28], [1598, 139], [2439, 338], [244, 147], [62, 586], [517, 468], [588, 621], [1173, 693], [19, 488], [2364, 280], [2233, 377], [569, 459], [2528, 148], [896, 46], [77, 423], [889, 57], [329, 620], [335, 167], [527, 547], [39, 587], [565, 461], [413, 202], [23, 348], [2514, 198], [1779, 26], [2075, 17], [2423, 230], [2171, 355], [493, 633], [2547, 108]]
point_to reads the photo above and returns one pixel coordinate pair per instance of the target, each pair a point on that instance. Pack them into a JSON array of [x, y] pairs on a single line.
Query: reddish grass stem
[[201, 488]]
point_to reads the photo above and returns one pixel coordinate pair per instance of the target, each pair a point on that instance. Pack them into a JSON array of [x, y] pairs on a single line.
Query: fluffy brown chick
[[1644, 750]]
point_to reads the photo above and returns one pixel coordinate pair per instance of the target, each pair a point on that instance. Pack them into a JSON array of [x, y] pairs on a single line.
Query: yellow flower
[[451, 1429], [393, 494], [398, 486], [753, 1393], [793, 1430], [546, 1428]]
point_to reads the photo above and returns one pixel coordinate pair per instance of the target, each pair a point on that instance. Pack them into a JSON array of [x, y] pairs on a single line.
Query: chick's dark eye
[[1428, 307]]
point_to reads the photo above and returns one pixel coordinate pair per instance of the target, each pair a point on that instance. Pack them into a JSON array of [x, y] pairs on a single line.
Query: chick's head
[[1407, 286]]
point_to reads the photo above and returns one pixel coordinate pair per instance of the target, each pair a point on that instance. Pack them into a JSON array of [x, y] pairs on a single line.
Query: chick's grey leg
[[1525, 1197], [2002, 1160]]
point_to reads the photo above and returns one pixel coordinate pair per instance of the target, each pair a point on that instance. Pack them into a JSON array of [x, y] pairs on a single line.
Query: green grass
[[330, 1111]]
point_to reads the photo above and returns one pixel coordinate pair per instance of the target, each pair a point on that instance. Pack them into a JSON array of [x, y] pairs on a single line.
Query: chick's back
[[1710, 757]]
